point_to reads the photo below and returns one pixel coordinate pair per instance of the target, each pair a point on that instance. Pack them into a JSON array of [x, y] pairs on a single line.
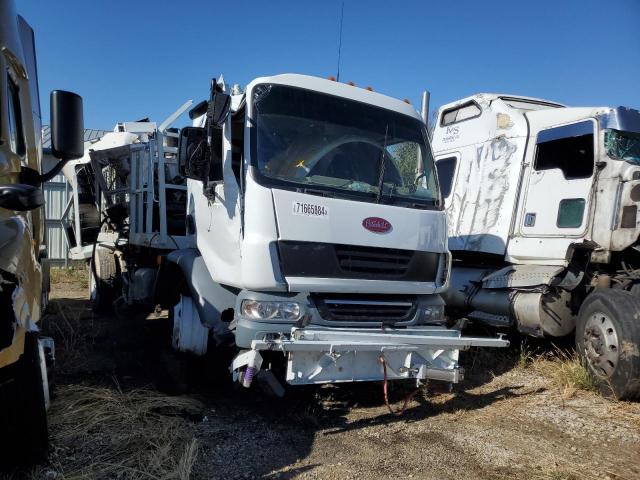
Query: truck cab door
[[561, 177], [217, 218]]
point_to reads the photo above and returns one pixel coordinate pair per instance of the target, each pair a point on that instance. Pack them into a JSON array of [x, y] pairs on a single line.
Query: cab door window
[[16, 132], [569, 148], [446, 171]]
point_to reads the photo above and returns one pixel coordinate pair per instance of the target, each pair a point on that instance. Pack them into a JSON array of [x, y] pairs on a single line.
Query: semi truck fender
[[210, 298]]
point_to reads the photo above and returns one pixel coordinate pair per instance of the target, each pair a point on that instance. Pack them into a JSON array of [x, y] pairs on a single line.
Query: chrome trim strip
[[368, 302]]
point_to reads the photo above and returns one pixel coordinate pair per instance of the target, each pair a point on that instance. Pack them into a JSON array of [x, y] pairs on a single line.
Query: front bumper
[[330, 355]]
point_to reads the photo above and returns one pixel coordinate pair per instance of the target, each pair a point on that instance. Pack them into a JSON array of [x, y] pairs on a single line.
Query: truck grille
[[376, 261], [328, 260], [381, 309]]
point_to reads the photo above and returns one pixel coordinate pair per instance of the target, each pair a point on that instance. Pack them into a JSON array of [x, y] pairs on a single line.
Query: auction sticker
[[310, 210]]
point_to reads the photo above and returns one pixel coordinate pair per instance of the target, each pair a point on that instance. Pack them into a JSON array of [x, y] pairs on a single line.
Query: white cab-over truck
[[26, 357], [542, 203], [298, 218]]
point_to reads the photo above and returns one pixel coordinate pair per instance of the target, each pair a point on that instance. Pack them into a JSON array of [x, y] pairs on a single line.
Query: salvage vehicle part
[[542, 201]]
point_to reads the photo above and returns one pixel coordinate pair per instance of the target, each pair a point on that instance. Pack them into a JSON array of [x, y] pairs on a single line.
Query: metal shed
[[57, 194]]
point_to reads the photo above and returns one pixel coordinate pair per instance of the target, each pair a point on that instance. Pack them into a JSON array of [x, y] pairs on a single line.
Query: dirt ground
[[511, 418]]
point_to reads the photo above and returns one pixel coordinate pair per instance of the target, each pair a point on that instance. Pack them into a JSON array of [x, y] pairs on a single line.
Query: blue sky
[[131, 59]]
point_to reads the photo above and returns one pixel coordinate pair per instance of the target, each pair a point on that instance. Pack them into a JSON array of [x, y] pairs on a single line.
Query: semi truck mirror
[[67, 130], [67, 125], [219, 108], [219, 105], [193, 157], [20, 197]]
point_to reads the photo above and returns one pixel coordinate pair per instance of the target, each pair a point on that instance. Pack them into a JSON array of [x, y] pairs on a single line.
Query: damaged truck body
[[299, 220], [25, 356], [543, 228]]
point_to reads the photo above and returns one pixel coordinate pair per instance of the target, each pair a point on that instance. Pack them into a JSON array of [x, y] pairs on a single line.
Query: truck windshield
[[334, 146], [622, 145]]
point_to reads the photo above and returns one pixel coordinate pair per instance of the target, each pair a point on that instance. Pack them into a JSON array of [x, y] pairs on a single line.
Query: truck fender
[[20, 287], [211, 298]]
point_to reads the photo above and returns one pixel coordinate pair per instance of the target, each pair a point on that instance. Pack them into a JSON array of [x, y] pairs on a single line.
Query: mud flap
[[318, 355]]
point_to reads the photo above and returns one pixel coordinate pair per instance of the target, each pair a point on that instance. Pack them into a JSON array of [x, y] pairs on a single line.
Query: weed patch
[[565, 370]]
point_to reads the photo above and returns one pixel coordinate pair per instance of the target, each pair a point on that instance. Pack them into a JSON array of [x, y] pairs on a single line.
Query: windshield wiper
[[318, 192], [383, 164]]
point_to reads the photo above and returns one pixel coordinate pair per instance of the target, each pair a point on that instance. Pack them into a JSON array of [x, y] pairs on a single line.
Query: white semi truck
[[542, 203], [298, 218], [26, 357]]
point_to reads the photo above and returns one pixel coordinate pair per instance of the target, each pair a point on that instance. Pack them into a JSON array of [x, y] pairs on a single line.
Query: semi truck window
[[16, 135], [458, 114], [570, 213], [446, 170], [569, 148]]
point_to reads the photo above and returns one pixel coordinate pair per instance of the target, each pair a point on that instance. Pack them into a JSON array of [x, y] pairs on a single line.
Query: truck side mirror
[[20, 197], [219, 108], [193, 157], [67, 130], [67, 125]]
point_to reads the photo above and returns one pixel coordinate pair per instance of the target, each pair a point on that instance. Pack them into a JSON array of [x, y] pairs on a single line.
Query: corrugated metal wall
[[57, 195]]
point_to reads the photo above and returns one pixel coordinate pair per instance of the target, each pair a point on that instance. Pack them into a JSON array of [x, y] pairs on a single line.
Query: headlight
[[434, 313], [261, 310]]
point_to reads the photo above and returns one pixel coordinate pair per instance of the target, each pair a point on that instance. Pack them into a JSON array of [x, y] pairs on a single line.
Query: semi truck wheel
[[170, 368], [103, 275], [46, 286], [608, 341], [23, 408]]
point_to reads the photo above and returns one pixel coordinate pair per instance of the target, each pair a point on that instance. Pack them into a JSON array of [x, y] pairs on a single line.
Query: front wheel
[[103, 284], [608, 341]]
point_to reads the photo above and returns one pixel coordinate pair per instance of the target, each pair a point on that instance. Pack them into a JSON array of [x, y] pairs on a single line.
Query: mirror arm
[[45, 177]]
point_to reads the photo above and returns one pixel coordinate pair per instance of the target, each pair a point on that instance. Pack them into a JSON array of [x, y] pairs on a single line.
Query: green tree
[[405, 156]]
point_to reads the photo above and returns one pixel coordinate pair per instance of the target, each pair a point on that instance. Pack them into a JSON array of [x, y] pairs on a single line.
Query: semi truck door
[[218, 220], [560, 182]]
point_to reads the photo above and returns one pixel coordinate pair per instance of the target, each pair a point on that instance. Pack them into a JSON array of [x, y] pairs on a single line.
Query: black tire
[[23, 415], [103, 272], [46, 286], [169, 369], [608, 340]]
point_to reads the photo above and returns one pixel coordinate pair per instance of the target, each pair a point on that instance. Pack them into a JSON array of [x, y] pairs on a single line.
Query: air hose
[[385, 390]]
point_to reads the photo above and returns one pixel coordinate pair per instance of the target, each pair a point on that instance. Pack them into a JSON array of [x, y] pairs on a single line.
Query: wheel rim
[[601, 344]]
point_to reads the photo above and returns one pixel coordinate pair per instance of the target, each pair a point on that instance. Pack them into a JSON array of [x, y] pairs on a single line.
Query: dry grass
[[73, 328], [562, 368], [107, 433], [79, 276], [565, 371], [526, 356]]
